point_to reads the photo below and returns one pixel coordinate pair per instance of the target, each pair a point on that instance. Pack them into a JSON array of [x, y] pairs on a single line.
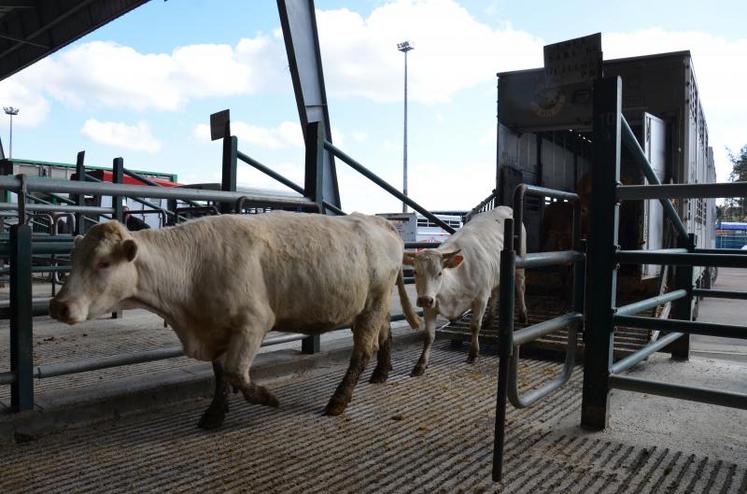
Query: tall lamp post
[[10, 111], [404, 47]]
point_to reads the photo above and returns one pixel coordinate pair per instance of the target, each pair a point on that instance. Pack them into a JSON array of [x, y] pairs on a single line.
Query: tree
[[738, 174]]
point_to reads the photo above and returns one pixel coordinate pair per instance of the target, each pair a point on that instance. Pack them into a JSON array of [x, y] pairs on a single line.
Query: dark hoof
[[419, 370], [212, 419], [335, 407], [379, 376], [261, 396], [471, 358], [523, 318]]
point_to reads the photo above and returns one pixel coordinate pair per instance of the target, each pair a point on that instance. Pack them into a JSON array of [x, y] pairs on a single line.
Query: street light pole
[[404, 47], [10, 111]]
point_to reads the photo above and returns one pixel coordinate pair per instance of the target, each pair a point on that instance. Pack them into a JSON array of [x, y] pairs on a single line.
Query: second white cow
[[462, 274]]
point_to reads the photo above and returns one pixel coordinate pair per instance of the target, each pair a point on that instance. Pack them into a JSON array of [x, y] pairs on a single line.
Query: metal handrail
[[682, 191], [523, 190], [680, 259], [630, 142], [384, 185]]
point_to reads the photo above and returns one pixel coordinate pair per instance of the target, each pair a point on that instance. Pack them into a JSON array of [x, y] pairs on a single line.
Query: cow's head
[[430, 265], [101, 277]]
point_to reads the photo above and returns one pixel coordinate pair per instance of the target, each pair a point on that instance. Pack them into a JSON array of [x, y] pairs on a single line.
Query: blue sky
[[143, 86]]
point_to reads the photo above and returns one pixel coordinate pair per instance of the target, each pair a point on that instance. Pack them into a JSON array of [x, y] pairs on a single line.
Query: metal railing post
[[314, 190], [682, 308], [80, 199], [505, 344], [118, 178], [314, 171], [599, 336], [21, 318], [229, 164]]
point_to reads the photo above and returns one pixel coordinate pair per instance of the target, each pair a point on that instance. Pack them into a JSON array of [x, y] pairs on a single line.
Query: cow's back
[[312, 271], [481, 241]]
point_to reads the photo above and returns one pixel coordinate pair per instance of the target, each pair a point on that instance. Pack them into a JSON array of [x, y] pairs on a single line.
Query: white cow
[[224, 282], [462, 274]]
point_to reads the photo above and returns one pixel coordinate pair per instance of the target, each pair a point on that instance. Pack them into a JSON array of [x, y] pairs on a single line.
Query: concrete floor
[[133, 428]]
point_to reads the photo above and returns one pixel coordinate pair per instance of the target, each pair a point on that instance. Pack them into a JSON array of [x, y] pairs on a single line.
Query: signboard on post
[[573, 61]]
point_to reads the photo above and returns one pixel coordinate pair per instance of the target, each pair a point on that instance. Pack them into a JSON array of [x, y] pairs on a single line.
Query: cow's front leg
[[216, 412], [242, 349], [430, 335], [365, 340], [478, 311], [384, 356]]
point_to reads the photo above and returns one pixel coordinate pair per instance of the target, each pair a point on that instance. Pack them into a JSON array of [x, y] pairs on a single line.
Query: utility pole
[[404, 47], [10, 111]]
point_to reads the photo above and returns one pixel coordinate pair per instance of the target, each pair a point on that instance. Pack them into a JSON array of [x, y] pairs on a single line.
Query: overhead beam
[[298, 21]]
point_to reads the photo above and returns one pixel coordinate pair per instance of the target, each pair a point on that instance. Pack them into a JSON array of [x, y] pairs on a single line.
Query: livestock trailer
[[544, 138]]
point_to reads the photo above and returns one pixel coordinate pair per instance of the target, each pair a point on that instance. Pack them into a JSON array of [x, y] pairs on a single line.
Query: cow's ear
[[129, 249], [408, 258], [453, 261], [77, 240]]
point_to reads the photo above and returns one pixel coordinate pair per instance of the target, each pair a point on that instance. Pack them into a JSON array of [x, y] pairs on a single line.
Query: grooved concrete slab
[[429, 434]]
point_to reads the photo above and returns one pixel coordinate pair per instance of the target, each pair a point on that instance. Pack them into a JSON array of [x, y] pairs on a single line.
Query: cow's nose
[[425, 302], [59, 310]]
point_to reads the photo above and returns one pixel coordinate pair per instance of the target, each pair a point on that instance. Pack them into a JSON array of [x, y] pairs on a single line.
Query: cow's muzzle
[[62, 311], [425, 302]]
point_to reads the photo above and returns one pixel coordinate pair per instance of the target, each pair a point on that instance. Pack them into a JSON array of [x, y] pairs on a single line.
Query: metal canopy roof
[[32, 29]]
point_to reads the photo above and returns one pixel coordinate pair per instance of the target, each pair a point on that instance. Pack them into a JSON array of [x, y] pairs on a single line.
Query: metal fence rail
[[510, 341], [600, 374]]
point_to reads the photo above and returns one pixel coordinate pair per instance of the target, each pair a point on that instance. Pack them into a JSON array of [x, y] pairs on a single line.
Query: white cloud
[[359, 136], [33, 107], [453, 51], [136, 137], [108, 74], [286, 135]]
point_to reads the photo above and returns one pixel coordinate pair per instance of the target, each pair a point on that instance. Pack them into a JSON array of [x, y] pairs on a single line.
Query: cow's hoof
[[379, 376], [212, 419], [259, 395], [523, 318], [419, 370], [335, 407], [471, 359]]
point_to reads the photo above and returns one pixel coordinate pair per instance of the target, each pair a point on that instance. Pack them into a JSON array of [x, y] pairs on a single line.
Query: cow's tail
[[412, 317]]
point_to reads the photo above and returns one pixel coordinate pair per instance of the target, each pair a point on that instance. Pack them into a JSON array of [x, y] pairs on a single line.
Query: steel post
[[80, 199], [603, 271], [314, 172], [682, 308], [505, 345], [229, 163], [21, 319], [118, 178]]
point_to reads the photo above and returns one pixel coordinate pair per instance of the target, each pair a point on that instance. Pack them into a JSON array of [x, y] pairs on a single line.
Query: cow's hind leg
[[478, 311], [384, 355], [365, 340], [216, 412], [430, 335], [242, 349]]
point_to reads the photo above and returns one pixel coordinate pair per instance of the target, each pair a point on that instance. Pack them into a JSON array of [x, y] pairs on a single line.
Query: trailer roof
[[683, 53], [30, 29]]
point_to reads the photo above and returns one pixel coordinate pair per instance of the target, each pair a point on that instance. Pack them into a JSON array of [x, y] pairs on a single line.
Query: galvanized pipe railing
[[510, 341], [384, 185], [682, 191], [689, 393], [630, 142], [272, 174], [650, 303], [644, 352]]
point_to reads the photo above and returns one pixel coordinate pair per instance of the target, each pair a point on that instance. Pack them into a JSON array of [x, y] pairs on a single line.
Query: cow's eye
[[103, 265], [440, 273]]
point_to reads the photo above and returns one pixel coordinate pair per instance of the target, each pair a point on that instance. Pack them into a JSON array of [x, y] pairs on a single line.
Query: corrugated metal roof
[[32, 29]]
